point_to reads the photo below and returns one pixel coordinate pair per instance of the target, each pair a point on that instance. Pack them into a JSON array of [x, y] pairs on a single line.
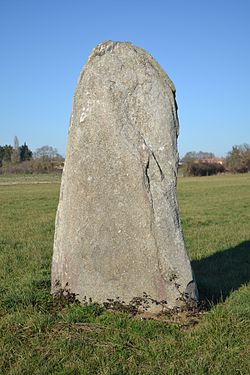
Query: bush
[[43, 165], [194, 168]]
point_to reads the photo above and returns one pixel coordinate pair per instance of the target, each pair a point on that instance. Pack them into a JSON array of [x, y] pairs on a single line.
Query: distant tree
[[5, 153], [16, 142], [245, 155], [15, 157], [1, 155], [234, 160], [47, 152], [197, 155], [25, 152]]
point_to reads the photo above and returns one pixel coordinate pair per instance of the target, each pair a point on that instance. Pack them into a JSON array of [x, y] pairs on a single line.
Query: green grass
[[39, 336], [22, 178]]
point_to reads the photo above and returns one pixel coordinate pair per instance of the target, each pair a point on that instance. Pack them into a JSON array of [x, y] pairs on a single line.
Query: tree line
[[202, 163], [20, 159]]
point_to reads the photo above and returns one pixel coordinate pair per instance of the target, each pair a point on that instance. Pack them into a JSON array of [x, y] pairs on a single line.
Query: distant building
[[210, 161]]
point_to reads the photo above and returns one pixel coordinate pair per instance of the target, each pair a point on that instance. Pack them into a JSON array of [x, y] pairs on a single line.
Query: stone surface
[[117, 227]]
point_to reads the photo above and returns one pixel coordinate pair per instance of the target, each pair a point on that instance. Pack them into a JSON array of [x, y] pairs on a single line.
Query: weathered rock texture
[[117, 227]]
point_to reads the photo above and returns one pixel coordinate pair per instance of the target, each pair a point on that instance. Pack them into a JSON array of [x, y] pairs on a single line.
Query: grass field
[[39, 336]]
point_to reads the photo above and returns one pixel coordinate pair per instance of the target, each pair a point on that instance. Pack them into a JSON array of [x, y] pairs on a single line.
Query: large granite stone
[[117, 227]]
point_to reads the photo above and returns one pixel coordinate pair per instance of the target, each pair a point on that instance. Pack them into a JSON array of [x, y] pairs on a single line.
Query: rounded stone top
[[110, 46]]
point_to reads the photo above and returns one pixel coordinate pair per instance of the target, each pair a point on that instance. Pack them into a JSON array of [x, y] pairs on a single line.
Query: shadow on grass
[[221, 273]]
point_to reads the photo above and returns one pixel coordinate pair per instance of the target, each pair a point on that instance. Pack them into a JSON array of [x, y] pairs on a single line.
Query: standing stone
[[117, 227]]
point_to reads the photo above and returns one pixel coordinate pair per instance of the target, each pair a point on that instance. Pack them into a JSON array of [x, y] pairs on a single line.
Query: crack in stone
[[147, 179], [147, 183], [151, 152], [158, 165], [137, 142], [164, 273]]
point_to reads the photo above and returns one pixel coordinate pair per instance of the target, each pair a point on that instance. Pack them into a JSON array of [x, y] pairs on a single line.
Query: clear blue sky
[[204, 46]]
